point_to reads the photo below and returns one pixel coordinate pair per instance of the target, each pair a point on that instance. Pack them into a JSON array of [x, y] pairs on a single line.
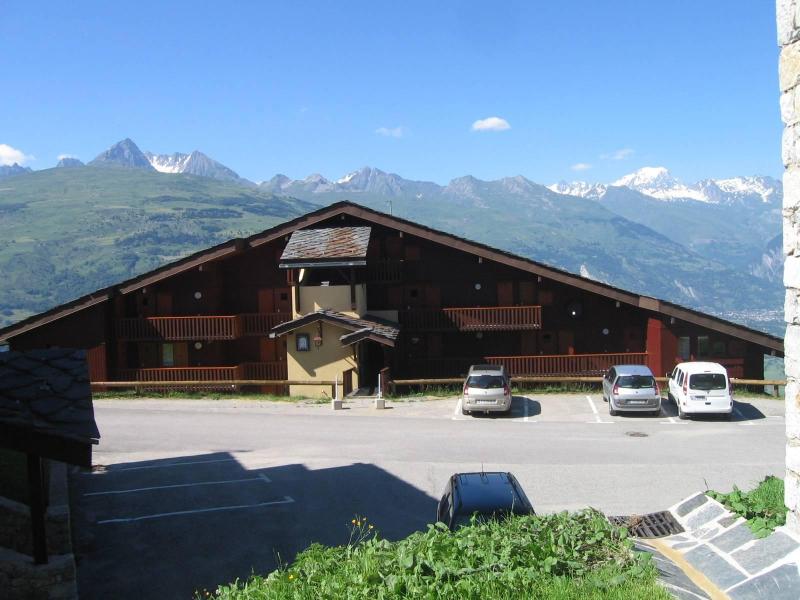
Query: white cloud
[[9, 155], [63, 156], [581, 166], [618, 154], [491, 124], [395, 132]]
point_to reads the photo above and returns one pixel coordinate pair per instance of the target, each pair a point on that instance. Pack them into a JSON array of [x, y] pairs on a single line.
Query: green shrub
[[763, 506], [569, 556]]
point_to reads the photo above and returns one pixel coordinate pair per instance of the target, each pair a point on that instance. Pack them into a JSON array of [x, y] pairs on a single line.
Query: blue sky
[[302, 87]]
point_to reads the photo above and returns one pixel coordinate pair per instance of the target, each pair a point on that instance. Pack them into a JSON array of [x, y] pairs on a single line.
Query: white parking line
[[457, 410], [261, 477], [164, 466], [596, 414], [286, 500]]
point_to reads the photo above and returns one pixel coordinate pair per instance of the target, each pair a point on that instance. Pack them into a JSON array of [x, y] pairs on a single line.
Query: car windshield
[[636, 381], [707, 381], [485, 382]]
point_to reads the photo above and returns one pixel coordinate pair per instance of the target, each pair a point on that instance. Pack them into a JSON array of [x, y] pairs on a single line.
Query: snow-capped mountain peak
[[649, 177], [168, 163], [658, 182], [580, 188]]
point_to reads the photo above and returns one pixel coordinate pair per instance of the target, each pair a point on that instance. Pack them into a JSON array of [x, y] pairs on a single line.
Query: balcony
[[575, 365], [496, 318], [226, 327]]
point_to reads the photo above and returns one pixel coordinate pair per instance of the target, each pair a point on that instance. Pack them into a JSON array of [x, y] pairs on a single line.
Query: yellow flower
[[291, 576], [353, 521], [370, 526], [358, 523]]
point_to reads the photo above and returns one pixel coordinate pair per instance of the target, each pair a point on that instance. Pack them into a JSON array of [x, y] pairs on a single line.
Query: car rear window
[[636, 381], [485, 382], [707, 381]]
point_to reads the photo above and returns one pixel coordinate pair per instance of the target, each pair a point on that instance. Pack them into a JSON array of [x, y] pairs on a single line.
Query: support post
[[380, 403], [336, 403], [36, 503]]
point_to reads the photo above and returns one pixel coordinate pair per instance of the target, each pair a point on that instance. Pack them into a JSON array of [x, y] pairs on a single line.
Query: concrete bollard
[[336, 404], [380, 403]]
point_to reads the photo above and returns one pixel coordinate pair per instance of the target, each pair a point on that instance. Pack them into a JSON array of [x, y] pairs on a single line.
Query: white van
[[700, 388]]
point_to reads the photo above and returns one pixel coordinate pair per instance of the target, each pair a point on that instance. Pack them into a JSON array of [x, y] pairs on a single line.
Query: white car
[[700, 388]]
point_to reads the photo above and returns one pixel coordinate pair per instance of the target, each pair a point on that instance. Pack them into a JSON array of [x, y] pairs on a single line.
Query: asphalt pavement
[[190, 494]]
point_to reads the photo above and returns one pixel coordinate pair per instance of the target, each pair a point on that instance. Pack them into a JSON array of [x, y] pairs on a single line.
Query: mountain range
[[714, 245]]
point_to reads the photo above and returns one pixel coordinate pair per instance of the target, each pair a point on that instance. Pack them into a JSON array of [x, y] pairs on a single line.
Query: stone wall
[[20, 578], [788, 13]]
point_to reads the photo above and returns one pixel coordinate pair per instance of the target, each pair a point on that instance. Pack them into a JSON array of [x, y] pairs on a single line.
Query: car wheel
[[681, 415], [611, 410], [464, 411], [657, 413]]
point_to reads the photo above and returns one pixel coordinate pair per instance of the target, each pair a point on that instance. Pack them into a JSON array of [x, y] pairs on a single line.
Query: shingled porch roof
[[367, 327]]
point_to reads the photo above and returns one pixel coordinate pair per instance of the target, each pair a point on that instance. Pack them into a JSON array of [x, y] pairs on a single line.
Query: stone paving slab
[[740, 565], [782, 583], [715, 567], [765, 552], [734, 538]]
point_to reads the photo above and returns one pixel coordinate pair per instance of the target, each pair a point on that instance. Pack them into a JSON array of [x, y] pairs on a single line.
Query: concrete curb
[[720, 545]]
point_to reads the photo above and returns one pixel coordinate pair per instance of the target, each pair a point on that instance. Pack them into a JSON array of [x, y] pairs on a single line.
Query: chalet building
[[346, 291]]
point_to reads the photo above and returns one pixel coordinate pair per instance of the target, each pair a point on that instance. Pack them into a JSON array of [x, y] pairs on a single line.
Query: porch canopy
[[46, 412], [329, 247], [368, 327]]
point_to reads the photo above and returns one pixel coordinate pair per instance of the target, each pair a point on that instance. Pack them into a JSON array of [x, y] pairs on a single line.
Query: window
[[636, 382], [302, 342], [168, 355], [707, 381], [703, 346], [683, 347], [485, 382]]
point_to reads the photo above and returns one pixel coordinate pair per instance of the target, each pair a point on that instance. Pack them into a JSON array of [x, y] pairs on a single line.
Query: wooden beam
[[46, 444], [36, 503]]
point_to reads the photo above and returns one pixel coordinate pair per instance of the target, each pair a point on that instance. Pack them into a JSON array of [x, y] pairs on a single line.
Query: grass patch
[[763, 506], [563, 556]]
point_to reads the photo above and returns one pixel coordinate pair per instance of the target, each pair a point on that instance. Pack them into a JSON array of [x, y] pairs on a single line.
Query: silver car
[[486, 389], [631, 388]]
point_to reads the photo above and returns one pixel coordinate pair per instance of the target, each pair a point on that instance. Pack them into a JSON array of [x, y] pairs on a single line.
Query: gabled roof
[[235, 246], [326, 247], [366, 327]]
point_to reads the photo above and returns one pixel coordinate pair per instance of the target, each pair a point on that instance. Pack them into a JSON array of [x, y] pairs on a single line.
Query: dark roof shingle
[[325, 246]]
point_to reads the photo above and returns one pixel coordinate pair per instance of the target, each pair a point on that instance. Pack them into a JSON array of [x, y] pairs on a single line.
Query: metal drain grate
[[654, 525]]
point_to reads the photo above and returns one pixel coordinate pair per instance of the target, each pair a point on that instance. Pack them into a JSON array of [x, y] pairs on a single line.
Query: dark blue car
[[485, 495]]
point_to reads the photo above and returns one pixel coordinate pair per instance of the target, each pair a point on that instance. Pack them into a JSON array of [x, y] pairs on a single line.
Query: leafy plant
[[763, 506], [568, 556]]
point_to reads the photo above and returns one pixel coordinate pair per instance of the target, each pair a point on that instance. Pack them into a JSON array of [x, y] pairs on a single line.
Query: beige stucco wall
[[788, 12], [323, 363], [332, 297]]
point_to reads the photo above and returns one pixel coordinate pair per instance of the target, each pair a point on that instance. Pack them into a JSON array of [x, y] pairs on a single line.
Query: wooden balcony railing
[[222, 327], [254, 370], [494, 318], [262, 323], [566, 364], [179, 374], [520, 366]]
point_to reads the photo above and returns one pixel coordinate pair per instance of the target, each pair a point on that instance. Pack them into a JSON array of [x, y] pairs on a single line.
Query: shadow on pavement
[[742, 411], [165, 528]]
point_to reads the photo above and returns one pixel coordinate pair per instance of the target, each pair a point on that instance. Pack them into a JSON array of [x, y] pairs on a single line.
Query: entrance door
[[370, 362]]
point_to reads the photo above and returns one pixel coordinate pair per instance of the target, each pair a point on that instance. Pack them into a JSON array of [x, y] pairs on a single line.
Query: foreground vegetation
[[763, 506], [563, 556]]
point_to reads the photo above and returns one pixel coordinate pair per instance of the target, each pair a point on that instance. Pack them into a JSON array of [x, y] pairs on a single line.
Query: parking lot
[[190, 494]]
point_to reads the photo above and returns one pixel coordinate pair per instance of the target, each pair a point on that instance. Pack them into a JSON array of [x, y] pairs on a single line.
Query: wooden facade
[[208, 317]]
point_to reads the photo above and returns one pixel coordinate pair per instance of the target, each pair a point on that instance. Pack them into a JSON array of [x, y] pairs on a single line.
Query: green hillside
[[67, 232]]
